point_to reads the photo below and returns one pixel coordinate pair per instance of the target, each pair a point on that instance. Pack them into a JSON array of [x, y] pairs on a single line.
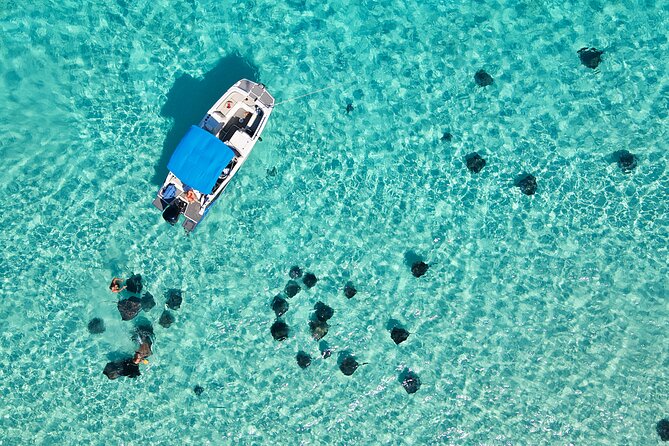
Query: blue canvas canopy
[[199, 159]]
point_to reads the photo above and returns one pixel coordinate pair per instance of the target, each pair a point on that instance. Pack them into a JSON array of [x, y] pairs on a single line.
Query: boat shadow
[[189, 99]]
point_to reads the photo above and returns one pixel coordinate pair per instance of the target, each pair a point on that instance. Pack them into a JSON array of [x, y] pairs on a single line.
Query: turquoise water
[[542, 320]]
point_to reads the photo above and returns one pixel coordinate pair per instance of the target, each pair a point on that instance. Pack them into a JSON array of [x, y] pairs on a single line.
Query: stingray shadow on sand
[[189, 99]]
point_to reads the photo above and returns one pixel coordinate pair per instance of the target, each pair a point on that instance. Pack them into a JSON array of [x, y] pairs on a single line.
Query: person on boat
[[190, 194], [115, 285]]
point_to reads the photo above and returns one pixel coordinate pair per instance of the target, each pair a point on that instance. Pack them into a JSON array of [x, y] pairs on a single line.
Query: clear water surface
[[542, 320]]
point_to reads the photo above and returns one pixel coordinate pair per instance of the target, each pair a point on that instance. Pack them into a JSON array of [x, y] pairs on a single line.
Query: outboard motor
[[171, 214]]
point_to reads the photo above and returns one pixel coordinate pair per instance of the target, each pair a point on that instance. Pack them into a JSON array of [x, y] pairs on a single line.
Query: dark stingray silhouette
[[189, 99], [123, 367], [474, 162], [318, 329], [662, 428], [348, 365], [349, 290], [309, 280], [134, 284], [96, 326], [303, 359], [129, 308], [148, 301], [410, 381], [292, 288], [590, 57], [295, 272], [197, 390], [325, 349], [279, 305], [527, 184], [625, 160], [323, 312], [447, 136], [399, 335], [280, 330], [349, 108], [143, 331], [166, 319], [482, 78], [419, 269], [174, 299]]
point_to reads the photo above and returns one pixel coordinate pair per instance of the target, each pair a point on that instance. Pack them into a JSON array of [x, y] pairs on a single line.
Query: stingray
[[124, 367], [419, 268], [399, 335], [527, 184], [349, 108], [447, 136], [279, 305], [626, 160], [662, 428], [271, 172], [310, 280], [474, 162], [174, 299], [279, 330], [349, 365], [129, 308], [143, 333], [411, 382], [325, 349], [318, 329], [197, 390], [349, 290], [295, 272], [303, 359], [166, 319], [323, 312], [134, 284], [148, 301], [590, 57], [96, 326], [292, 288], [482, 78]]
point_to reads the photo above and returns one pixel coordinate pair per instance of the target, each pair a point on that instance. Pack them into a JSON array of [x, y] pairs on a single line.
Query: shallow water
[[540, 321]]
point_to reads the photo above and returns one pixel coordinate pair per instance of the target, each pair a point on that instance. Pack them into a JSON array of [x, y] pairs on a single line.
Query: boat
[[211, 153]]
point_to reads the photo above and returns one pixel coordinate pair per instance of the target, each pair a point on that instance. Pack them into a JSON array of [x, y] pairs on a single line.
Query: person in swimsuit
[[116, 285]]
